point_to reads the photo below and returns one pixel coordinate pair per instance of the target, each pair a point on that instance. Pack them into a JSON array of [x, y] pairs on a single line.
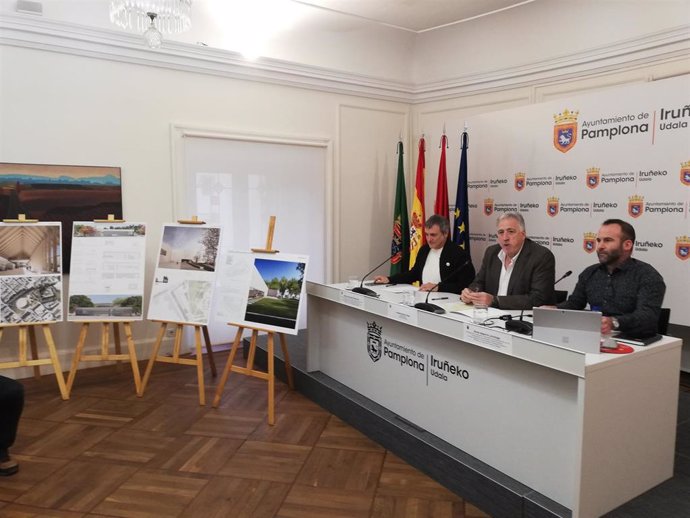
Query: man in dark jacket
[[516, 273], [441, 265]]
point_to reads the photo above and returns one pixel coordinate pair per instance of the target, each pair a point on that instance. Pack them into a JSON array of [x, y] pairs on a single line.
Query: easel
[[199, 329], [105, 355], [249, 370], [28, 330]]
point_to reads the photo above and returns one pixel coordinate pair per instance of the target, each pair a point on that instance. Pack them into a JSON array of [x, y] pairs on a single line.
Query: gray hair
[[512, 215], [443, 224]]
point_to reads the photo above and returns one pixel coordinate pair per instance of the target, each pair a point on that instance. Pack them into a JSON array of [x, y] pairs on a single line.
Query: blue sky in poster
[[270, 268]]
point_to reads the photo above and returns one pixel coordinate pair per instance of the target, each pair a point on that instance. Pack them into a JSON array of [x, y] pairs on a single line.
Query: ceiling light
[[153, 18]]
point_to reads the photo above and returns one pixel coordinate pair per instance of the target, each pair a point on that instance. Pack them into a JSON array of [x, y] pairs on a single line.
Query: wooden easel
[[198, 361], [27, 334], [104, 354], [249, 370], [199, 329]]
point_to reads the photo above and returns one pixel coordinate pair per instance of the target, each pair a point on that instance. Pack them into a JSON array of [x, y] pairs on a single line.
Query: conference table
[[588, 431]]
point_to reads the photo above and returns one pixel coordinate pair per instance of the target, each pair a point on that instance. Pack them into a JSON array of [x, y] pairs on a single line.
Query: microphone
[[433, 308], [520, 326], [366, 291], [566, 274], [428, 306]]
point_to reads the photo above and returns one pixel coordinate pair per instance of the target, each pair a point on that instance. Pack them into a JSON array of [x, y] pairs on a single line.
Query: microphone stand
[[367, 291], [428, 306]]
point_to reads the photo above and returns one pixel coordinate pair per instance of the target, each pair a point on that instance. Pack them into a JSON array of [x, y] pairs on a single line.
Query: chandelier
[[153, 18]]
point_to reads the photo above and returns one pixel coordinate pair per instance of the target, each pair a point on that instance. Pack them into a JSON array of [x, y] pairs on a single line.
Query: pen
[[441, 298]]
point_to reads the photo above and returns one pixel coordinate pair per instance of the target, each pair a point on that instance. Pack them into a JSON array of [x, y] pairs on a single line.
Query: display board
[[185, 274], [30, 273], [568, 165], [261, 290], [107, 275]]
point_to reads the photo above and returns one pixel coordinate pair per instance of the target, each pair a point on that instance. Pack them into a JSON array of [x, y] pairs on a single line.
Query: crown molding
[[54, 36]]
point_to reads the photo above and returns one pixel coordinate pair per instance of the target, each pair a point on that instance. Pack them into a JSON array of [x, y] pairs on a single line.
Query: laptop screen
[[578, 330]]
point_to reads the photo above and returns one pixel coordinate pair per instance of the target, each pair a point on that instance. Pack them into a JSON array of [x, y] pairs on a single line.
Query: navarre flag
[[417, 217], [461, 225], [400, 245], [441, 203]]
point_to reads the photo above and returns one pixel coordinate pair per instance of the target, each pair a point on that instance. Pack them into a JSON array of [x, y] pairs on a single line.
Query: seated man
[[628, 292], [11, 405], [516, 273], [441, 265]]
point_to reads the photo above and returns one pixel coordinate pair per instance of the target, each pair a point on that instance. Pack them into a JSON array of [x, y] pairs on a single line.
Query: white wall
[[62, 109]]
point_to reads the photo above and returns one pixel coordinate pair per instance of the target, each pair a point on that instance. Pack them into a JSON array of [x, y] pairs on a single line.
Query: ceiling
[[415, 15]]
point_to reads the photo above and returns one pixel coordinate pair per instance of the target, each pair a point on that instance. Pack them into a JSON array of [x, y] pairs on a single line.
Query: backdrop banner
[[568, 165]]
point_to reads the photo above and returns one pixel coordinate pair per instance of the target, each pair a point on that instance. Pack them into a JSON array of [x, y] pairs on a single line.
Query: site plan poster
[[107, 274], [30, 273], [261, 290], [185, 275]]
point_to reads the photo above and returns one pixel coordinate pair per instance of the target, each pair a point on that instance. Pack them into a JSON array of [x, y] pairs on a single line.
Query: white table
[[589, 431]]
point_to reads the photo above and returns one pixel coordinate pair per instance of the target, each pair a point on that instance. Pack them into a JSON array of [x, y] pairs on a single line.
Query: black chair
[[662, 324], [560, 295]]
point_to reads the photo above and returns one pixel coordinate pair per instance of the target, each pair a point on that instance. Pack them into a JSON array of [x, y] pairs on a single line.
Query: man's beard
[[608, 258]]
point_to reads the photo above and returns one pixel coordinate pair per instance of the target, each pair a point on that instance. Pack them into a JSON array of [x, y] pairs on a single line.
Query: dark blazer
[[532, 280], [453, 278]]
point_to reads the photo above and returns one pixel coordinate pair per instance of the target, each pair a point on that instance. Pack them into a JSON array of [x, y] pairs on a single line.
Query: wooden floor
[[106, 452]]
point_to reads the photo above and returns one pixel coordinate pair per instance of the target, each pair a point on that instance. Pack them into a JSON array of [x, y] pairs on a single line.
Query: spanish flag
[[417, 217]]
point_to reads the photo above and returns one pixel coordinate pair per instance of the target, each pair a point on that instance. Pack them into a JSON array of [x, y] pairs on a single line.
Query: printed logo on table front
[[374, 345]]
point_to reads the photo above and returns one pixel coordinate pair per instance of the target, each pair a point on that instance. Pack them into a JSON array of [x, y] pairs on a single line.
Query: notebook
[[578, 330]]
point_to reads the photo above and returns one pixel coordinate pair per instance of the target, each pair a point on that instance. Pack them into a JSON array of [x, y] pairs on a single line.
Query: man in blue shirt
[[628, 292]]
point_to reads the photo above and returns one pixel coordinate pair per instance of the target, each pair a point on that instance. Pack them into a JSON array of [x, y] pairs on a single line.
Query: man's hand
[[381, 279], [428, 286], [476, 297], [606, 325]]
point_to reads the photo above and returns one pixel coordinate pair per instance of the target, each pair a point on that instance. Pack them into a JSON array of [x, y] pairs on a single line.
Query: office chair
[[662, 324]]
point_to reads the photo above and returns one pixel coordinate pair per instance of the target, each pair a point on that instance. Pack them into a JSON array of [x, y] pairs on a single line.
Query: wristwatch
[[615, 323]]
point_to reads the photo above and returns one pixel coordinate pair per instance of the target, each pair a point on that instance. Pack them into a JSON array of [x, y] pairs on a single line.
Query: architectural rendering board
[[30, 273], [184, 279], [261, 290], [107, 274]]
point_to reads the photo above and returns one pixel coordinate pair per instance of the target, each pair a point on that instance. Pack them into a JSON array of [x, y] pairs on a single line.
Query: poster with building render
[[185, 275], [261, 290], [30, 273], [107, 271]]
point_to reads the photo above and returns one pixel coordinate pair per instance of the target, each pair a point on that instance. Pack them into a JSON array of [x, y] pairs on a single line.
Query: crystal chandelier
[[153, 18]]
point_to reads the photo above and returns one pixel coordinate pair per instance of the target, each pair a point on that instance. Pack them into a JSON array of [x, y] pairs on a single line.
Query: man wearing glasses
[[516, 273]]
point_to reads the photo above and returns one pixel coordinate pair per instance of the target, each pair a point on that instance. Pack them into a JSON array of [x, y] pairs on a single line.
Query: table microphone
[[520, 326], [566, 274], [433, 308], [366, 291]]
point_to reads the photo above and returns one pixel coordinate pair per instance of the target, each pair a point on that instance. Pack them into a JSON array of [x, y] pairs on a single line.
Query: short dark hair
[[626, 228], [437, 219]]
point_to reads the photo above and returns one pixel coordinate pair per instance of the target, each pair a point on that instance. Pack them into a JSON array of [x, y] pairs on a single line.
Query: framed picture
[[64, 193]]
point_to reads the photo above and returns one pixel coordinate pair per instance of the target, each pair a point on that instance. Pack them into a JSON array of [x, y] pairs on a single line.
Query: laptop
[[578, 330]]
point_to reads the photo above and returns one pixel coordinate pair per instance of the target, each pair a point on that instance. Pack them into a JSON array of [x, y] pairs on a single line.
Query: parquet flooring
[[107, 453]]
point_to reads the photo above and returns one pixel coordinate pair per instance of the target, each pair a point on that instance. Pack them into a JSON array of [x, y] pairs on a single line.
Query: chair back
[[662, 324]]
